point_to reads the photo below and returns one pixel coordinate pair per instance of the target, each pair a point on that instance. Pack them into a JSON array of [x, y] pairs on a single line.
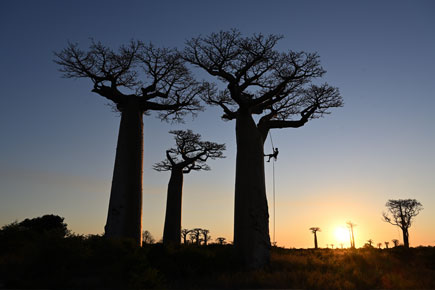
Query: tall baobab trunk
[[315, 241], [251, 217], [124, 218], [172, 229], [405, 237]]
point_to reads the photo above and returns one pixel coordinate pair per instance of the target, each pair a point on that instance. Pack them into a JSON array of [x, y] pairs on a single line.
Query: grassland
[[29, 260]]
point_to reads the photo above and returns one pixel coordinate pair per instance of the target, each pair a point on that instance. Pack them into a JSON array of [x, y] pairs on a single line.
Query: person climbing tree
[[274, 155], [263, 89]]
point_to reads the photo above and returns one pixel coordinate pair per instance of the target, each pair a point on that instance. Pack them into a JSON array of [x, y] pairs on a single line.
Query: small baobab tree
[[195, 236], [395, 242], [351, 225], [190, 153], [205, 236], [184, 234], [370, 242], [138, 79], [386, 244], [264, 89], [221, 240], [314, 230], [379, 245], [401, 213]]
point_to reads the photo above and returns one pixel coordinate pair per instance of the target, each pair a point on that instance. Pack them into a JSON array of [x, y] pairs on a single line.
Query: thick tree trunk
[[172, 229], [251, 217], [315, 241], [124, 218], [405, 238]]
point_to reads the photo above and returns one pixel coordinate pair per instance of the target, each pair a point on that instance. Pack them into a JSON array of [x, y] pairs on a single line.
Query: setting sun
[[341, 235]]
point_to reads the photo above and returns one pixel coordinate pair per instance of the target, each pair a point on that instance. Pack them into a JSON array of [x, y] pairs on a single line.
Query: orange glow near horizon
[[341, 235]]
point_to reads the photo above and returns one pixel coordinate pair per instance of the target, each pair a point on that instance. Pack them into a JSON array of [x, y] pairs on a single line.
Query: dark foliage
[[51, 261]]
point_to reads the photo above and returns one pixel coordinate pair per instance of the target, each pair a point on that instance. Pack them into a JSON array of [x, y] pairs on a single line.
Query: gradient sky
[[58, 138]]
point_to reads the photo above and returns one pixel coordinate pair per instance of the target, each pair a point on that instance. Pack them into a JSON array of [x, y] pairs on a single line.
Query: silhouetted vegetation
[[147, 238], [351, 225], [264, 89], [34, 258], [401, 213], [314, 230], [190, 153], [139, 79]]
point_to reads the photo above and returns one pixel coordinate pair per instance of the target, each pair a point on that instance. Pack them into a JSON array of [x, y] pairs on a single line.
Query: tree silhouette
[[400, 213], [221, 240], [387, 243], [314, 230], [351, 225], [379, 245], [274, 86], [395, 242], [189, 154], [205, 236], [49, 225], [184, 234], [370, 242], [195, 236], [147, 238], [138, 79]]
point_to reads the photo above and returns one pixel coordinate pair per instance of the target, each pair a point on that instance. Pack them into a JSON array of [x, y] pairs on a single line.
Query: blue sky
[[58, 138]]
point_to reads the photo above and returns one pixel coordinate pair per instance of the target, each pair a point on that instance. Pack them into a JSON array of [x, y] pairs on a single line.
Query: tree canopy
[[157, 77]]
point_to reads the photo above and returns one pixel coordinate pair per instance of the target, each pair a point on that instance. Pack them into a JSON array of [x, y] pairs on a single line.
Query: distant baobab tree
[[370, 242], [195, 236], [221, 240], [386, 244], [351, 225], [332, 246], [184, 234], [395, 242], [314, 230], [379, 245], [400, 213], [190, 153], [205, 236], [276, 88], [138, 79]]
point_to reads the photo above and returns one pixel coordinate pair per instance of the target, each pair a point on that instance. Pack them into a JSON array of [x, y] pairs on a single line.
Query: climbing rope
[[273, 182]]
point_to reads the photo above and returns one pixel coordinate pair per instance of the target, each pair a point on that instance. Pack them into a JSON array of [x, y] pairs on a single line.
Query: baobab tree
[[276, 88], [205, 236], [387, 243], [351, 225], [400, 213], [379, 245], [221, 240], [395, 242], [184, 234], [370, 242], [138, 79], [190, 153], [195, 236], [314, 230]]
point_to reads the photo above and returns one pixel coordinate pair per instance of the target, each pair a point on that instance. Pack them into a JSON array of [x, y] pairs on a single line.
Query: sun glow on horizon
[[341, 235]]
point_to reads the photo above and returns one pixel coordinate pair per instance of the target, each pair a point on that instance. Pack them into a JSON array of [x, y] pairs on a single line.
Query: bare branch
[[190, 152]]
